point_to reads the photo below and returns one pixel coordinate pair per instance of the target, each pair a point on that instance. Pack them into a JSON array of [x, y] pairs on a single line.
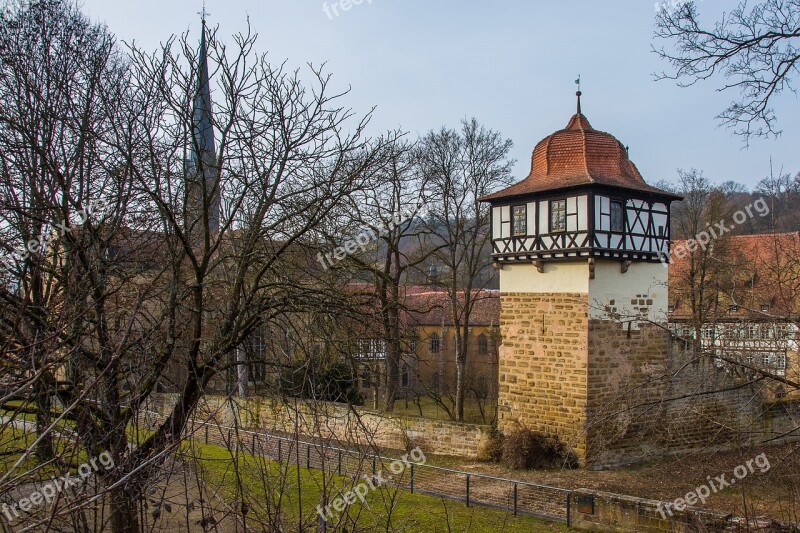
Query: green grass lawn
[[431, 409], [411, 512], [260, 477]]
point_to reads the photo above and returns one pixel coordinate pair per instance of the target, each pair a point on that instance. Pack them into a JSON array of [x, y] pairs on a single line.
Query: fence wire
[[513, 496]]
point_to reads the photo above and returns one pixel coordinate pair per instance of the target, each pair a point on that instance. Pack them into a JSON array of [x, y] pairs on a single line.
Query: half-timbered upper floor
[[588, 223], [583, 198]]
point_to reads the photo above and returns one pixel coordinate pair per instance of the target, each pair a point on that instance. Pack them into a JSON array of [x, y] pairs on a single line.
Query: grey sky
[[511, 64]]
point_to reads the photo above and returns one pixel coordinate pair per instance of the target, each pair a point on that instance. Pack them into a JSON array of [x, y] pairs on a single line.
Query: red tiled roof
[[755, 271], [579, 155], [432, 308]]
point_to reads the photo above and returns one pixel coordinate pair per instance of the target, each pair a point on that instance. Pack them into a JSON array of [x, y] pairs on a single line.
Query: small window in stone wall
[[483, 344], [434, 343]]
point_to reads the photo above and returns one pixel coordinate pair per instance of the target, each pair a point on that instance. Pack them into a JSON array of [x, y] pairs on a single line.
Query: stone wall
[[648, 397], [614, 512], [620, 392], [340, 423], [543, 365]]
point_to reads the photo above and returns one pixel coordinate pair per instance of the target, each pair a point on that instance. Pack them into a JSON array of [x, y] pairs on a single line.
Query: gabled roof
[[431, 306], [579, 155]]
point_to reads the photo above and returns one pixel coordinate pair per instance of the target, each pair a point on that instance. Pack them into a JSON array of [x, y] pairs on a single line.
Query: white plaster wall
[[557, 277], [642, 281]]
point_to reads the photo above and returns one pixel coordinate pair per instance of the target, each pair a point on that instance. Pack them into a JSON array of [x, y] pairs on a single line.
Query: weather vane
[[579, 93], [203, 13], [578, 82]]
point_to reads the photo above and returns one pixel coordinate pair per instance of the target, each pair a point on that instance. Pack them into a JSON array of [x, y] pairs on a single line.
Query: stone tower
[[579, 244]]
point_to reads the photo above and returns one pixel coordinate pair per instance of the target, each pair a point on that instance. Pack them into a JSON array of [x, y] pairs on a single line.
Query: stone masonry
[[543, 365]]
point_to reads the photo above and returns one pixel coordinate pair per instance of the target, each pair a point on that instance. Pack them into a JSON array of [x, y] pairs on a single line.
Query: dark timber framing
[[641, 239]]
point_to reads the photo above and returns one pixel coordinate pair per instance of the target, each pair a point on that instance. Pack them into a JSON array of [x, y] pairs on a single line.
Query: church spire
[[203, 145]]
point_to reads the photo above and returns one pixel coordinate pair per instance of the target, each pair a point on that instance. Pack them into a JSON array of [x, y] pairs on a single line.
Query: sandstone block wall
[[543, 364], [615, 512], [338, 422], [616, 392]]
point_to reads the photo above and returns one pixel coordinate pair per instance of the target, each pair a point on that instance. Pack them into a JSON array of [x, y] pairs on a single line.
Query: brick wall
[[543, 364], [341, 423], [617, 394], [648, 397], [615, 512]]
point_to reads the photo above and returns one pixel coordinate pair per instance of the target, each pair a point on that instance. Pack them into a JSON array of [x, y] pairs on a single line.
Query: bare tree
[[706, 271], [782, 191], [384, 220], [160, 287], [461, 166], [754, 47]]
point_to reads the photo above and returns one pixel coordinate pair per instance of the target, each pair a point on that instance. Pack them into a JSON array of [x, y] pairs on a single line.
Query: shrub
[[319, 380], [523, 448], [491, 451]]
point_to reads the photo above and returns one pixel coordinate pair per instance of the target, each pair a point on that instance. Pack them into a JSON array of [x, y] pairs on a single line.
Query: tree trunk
[[392, 374], [241, 371], [393, 349], [124, 510], [461, 368], [44, 450]]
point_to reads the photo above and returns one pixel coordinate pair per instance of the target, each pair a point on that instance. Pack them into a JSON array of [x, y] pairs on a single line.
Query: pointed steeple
[[203, 149]]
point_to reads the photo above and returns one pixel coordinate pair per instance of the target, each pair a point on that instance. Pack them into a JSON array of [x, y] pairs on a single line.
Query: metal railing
[[513, 496]]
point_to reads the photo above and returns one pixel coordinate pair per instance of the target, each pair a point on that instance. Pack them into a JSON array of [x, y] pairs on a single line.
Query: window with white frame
[[519, 219], [558, 215]]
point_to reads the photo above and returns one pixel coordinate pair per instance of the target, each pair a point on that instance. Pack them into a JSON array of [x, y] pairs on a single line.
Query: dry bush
[[491, 451], [523, 448]]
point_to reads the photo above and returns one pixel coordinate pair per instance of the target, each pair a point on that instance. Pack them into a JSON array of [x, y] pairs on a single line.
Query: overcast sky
[[510, 64]]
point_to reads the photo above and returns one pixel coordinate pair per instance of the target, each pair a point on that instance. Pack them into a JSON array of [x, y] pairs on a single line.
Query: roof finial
[[579, 93], [203, 14]]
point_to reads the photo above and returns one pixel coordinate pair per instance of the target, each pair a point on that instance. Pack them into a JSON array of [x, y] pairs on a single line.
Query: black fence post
[[308, 456], [206, 433], [569, 501], [412, 478], [254, 444], [467, 490], [374, 460], [515, 499], [339, 466], [279, 449]]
